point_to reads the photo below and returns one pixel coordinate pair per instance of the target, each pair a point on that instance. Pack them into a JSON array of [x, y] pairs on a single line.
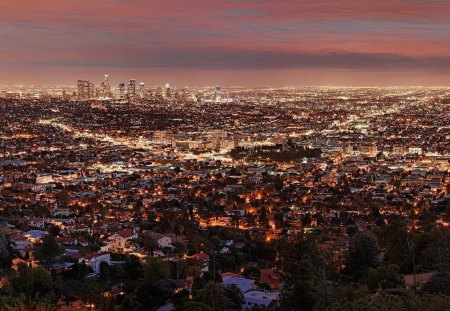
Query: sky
[[227, 42]]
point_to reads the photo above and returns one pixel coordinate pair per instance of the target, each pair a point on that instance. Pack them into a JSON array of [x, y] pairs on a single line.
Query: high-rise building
[[122, 90], [218, 95], [132, 89], [85, 89], [166, 91], [104, 91], [141, 90], [199, 96], [107, 86]]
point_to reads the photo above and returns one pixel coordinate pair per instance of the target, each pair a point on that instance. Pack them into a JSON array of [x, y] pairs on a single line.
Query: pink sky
[[228, 42]]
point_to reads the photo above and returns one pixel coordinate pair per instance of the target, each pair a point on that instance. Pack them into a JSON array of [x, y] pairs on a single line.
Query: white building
[[415, 150], [120, 240], [94, 260], [162, 240], [44, 178]]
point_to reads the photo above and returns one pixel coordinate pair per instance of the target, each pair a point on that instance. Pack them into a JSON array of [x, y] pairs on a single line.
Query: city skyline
[[228, 43]]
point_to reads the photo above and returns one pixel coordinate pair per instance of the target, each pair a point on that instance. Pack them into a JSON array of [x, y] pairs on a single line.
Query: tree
[[384, 277], [391, 301], [155, 270], [215, 297], [6, 253], [63, 197], [79, 270], [180, 299], [48, 249], [149, 243], [54, 230], [298, 291], [195, 306], [299, 271], [9, 303], [104, 270], [153, 289], [177, 170], [439, 283], [371, 303], [251, 272], [263, 217], [362, 254], [395, 240], [35, 284], [235, 295], [430, 302]]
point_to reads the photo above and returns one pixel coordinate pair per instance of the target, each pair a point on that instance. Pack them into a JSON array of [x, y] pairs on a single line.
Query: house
[[120, 240], [244, 284], [37, 223], [116, 290], [61, 267], [420, 279], [78, 228], [6, 225], [259, 299], [35, 236], [70, 251], [181, 285], [167, 307], [20, 242], [16, 262], [270, 277], [162, 240], [94, 260], [27, 252], [203, 261], [82, 241], [67, 241]]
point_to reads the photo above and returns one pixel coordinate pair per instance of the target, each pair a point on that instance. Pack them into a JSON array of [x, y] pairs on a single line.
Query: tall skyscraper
[[132, 89], [107, 86], [80, 89], [122, 90], [166, 91], [141, 90], [104, 91], [218, 95], [85, 89]]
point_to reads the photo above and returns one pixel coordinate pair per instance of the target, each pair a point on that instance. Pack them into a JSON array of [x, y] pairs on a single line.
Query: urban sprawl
[[171, 198]]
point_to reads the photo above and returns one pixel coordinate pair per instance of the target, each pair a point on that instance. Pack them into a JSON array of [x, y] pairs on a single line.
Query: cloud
[[252, 60], [231, 34]]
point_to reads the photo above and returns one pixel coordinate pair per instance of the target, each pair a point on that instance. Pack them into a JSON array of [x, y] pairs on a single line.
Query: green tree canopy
[[48, 249], [362, 254], [384, 277]]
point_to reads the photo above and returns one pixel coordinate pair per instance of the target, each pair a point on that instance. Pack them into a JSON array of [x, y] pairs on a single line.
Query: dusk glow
[[246, 42]]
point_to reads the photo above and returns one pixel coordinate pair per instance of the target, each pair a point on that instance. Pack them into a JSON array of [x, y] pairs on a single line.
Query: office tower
[[80, 89], [104, 91], [85, 89], [166, 91], [132, 89], [122, 90], [141, 90], [199, 96], [107, 86], [218, 95], [90, 90]]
